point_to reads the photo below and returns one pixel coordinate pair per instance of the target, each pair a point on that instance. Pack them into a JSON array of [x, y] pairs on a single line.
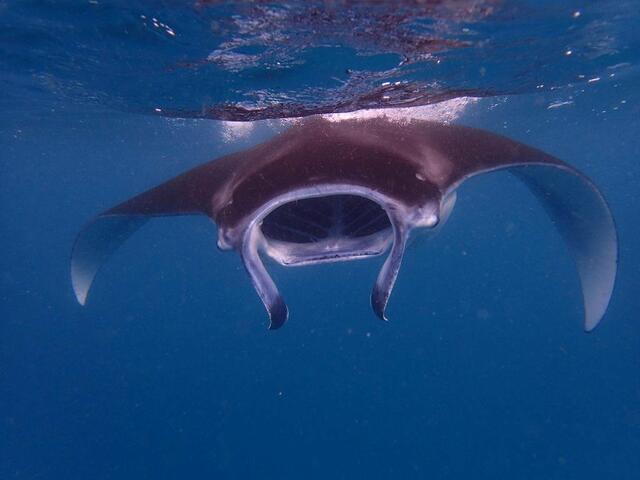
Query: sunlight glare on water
[[258, 60]]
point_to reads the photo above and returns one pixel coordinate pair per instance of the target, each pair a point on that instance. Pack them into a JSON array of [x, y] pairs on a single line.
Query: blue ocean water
[[484, 370]]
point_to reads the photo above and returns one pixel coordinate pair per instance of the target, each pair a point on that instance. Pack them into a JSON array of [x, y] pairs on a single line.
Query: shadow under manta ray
[[331, 191]]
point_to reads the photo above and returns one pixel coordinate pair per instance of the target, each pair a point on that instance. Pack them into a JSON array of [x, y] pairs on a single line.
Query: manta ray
[[326, 191]]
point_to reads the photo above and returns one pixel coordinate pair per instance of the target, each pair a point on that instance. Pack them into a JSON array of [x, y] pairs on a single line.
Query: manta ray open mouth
[[310, 220], [326, 229]]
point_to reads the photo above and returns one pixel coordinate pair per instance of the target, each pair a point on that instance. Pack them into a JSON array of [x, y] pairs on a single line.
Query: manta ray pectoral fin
[[584, 220], [95, 244], [183, 195], [572, 201], [262, 282]]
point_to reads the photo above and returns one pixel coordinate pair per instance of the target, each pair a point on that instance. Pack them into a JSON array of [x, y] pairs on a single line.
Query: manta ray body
[[327, 191]]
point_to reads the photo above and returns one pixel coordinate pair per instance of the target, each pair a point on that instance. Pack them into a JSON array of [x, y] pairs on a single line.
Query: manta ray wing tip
[[590, 323], [80, 287], [82, 300]]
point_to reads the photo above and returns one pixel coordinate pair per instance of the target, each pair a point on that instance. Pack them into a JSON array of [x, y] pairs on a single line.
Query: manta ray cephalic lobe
[[335, 191]]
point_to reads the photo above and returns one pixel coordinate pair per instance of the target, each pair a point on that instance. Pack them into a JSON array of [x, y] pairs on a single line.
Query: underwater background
[[484, 370]]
